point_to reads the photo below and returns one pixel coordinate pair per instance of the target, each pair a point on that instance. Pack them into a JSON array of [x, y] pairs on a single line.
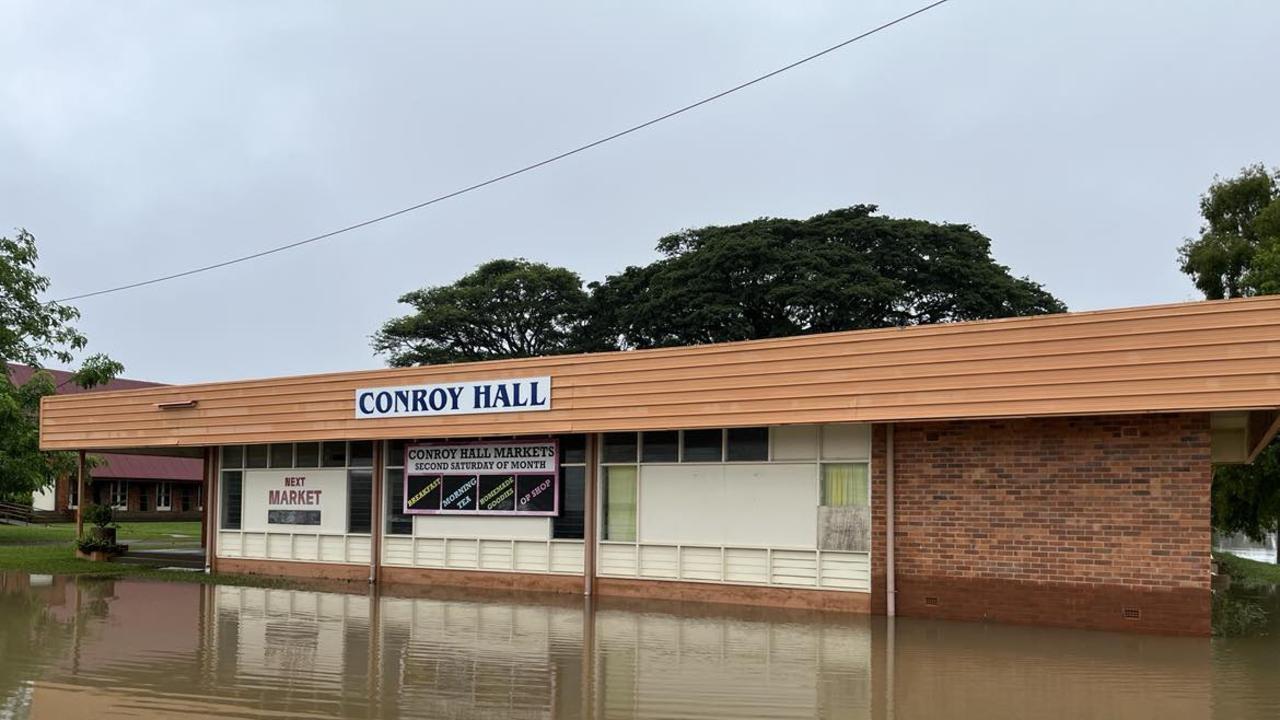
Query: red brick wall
[[1061, 521]]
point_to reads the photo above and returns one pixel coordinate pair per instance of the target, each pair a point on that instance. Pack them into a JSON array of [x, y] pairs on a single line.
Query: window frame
[[118, 489]]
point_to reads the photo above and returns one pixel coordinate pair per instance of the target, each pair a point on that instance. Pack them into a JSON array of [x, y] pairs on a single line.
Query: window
[[620, 503], [747, 444], [73, 493], [334, 454], [119, 495], [185, 498], [398, 523], [164, 496], [308, 455], [144, 498], [573, 449], [233, 456], [255, 456], [703, 446], [618, 448], [232, 481], [658, 447], [361, 454], [359, 500], [845, 485], [282, 455]]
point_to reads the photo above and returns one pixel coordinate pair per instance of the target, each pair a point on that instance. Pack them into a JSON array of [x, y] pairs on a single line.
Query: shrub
[[89, 543], [99, 515]]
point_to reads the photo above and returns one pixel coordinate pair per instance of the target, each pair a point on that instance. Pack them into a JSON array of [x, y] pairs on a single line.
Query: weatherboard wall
[[1203, 356]]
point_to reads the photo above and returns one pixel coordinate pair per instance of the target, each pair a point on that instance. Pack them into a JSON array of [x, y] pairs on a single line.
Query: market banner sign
[[483, 396], [506, 477], [308, 500]]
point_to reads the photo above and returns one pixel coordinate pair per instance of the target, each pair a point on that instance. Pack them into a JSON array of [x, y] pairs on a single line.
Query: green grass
[[1247, 572], [149, 534]]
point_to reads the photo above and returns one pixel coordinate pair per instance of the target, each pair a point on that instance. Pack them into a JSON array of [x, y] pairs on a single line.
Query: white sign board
[[482, 396], [309, 500]]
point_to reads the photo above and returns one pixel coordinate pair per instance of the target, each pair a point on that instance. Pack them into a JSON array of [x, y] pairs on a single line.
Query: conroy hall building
[[1049, 470]]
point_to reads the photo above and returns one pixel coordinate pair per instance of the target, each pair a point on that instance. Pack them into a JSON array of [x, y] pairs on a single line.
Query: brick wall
[[1062, 521]]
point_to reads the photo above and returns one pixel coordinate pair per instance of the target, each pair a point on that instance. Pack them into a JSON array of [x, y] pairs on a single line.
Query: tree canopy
[[1238, 251], [31, 332], [504, 309], [841, 270], [1238, 255]]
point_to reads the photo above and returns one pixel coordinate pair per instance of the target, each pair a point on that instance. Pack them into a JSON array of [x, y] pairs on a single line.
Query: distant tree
[[841, 270], [1238, 255], [32, 331], [1238, 251], [504, 309], [1246, 498]]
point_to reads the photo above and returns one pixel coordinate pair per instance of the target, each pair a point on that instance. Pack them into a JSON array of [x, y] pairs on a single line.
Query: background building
[[138, 487]]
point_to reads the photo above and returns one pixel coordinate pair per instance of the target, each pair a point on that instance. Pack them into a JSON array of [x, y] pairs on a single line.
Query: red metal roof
[[20, 374], [148, 467], [118, 466]]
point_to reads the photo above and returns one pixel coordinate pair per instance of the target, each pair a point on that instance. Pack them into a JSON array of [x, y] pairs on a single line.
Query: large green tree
[[504, 309], [845, 269], [1238, 251], [31, 332], [1238, 255]]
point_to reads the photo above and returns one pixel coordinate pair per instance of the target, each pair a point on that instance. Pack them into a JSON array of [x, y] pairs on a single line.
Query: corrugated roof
[[20, 374], [116, 466], [1203, 356]]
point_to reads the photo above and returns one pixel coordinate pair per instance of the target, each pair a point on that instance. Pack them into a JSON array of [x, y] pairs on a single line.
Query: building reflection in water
[[131, 649]]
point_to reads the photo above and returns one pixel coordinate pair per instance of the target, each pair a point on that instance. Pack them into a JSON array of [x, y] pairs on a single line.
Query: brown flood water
[[126, 649]]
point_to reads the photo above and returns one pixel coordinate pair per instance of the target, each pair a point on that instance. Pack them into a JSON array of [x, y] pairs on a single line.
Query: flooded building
[[1044, 470]]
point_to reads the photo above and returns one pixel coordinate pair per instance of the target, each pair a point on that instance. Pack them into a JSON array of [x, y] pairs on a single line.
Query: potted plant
[[99, 544]]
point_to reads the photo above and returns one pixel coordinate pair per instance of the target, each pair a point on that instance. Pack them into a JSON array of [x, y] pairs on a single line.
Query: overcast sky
[[139, 139]]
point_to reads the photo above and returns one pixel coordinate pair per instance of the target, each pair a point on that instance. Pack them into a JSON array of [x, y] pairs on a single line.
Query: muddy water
[[126, 649]]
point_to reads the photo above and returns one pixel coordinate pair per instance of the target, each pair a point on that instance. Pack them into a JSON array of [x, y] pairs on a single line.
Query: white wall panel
[[746, 565], [795, 442], [735, 504], [659, 561], [566, 557], [617, 560], [681, 504], [494, 527], [702, 563], [846, 442], [773, 505]]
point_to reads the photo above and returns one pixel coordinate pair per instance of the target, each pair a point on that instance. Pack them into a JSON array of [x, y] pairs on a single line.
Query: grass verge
[[1247, 572]]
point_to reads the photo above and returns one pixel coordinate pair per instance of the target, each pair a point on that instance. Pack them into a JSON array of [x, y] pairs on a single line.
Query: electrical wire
[[512, 173]]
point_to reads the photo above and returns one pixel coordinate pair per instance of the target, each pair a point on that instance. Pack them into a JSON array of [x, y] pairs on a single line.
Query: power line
[[513, 173]]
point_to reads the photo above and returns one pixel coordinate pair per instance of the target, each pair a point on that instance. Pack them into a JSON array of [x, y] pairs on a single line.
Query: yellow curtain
[[620, 503], [845, 484]]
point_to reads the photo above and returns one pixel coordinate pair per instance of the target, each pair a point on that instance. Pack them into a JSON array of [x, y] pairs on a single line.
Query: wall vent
[[931, 600], [1132, 614]]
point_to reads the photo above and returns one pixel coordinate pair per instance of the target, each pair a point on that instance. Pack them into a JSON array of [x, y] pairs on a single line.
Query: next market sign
[[484, 396]]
